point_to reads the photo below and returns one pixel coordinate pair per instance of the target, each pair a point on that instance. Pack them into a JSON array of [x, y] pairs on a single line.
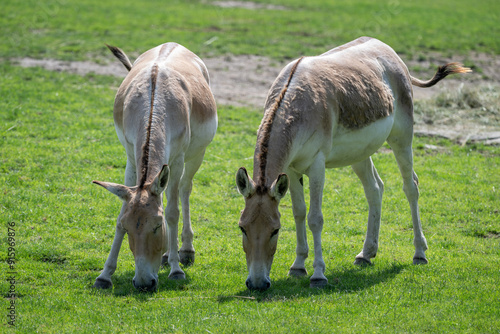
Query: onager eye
[[156, 228], [275, 232]]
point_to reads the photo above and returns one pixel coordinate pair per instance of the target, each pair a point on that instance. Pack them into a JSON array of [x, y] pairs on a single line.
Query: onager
[[165, 116], [329, 111]]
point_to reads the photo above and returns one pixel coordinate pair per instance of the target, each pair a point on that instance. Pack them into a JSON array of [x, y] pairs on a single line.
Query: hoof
[[178, 275], [164, 260], [360, 261], [186, 257], [318, 282], [101, 283], [297, 272], [420, 260]]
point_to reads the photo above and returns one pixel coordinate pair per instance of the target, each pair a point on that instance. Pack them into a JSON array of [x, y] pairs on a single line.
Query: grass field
[[57, 135], [66, 30]]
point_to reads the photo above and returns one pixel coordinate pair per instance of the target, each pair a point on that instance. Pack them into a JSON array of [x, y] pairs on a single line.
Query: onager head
[[260, 225], [141, 217]]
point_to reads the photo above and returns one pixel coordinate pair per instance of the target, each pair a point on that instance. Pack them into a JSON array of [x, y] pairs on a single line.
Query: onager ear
[[245, 185], [279, 187], [119, 190], [160, 182]]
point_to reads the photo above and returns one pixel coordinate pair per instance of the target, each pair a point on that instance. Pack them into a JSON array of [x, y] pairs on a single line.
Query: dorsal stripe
[[167, 49], [267, 126], [164, 52], [145, 149]]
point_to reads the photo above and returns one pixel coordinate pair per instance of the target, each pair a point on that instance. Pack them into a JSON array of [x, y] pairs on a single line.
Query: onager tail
[[441, 73], [121, 56]]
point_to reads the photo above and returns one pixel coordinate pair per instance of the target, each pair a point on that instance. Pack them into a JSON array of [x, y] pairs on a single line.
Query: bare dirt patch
[[246, 5], [77, 67], [245, 80], [241, 81]]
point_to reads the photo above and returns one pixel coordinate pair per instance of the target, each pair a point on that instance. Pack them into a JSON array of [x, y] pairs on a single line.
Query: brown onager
[[329, 111], [165, 117]]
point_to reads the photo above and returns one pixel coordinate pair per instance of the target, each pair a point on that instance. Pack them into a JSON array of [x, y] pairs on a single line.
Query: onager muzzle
[[146, 277]]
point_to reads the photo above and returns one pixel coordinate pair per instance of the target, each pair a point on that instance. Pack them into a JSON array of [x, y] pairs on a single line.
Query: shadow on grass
[[123, 286], [341, 280]]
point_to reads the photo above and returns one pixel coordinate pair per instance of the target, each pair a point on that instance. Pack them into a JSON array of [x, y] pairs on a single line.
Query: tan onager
[[329, 111], [165, 117]]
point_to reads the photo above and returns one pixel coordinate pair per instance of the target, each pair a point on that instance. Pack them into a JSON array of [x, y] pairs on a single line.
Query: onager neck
[[265, 171]]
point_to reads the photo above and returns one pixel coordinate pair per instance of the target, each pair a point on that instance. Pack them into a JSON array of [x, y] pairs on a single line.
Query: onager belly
[[351, 146]]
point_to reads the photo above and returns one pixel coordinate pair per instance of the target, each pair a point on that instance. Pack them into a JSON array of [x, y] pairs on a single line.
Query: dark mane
[[165, 51], [145, 148], [266, 128]]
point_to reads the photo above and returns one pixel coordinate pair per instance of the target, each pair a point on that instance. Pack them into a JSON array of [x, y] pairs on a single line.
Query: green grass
[[78, 30], [57, 135]]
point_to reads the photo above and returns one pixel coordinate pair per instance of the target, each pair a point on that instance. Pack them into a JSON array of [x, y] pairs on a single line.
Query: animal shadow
[[340, 280], [123, 286]]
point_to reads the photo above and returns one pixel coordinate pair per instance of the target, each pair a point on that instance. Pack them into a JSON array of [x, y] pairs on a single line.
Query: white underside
[[346, 147]]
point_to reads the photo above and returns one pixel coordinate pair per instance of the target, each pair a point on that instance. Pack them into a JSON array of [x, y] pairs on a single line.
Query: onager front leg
[[316, 175], [299, 214], [103, 281], [172, 217]]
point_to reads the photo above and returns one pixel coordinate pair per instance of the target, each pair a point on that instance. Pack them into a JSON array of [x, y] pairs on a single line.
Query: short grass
[[72, 30], [57, 135]]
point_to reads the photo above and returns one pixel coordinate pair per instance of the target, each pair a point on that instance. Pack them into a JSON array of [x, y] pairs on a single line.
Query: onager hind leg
[[400, 141], [374, 188], [404, 157]]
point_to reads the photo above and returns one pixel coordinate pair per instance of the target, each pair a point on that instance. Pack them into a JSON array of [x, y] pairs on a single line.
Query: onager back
[[329, 111], [165, 117]]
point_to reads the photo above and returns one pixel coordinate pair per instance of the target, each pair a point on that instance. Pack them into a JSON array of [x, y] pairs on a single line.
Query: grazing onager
[[329, 111], [165, 117]]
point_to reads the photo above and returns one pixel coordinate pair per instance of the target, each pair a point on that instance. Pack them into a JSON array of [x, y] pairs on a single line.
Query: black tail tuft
[[121, 56]]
